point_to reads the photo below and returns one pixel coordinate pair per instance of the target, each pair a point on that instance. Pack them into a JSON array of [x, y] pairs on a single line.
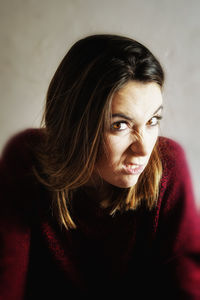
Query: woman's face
[[132, 134]]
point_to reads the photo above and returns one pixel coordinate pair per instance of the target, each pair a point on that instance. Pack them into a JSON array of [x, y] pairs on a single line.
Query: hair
[[78, 104]]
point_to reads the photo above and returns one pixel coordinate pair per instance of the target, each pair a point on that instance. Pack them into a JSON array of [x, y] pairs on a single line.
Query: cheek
[[112, 153], [115, 147], [153, 136], [152, 142]]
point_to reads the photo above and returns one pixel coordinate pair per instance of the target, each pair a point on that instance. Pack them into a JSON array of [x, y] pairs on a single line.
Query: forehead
[[137, 99]]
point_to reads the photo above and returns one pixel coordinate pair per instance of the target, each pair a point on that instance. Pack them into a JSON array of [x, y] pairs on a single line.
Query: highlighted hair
[[78, 105]]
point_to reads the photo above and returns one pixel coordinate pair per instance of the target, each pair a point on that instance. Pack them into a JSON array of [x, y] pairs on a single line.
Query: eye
[[154, 121], [119, 126]]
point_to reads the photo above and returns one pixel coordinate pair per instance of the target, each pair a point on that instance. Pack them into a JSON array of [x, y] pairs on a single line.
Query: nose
[[139, 146]]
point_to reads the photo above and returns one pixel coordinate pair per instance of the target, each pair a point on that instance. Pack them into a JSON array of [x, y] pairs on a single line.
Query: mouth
[[133, 169]]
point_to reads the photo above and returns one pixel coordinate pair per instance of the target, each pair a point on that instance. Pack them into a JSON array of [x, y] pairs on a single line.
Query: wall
[[35, 35]]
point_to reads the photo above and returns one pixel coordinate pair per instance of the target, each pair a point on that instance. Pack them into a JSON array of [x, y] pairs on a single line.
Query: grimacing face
[[136, 111]]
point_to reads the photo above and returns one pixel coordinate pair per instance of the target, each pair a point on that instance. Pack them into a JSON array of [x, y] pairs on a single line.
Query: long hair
[[78, 104]]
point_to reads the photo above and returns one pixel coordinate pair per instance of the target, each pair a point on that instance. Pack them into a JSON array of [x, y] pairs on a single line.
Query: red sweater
[[136, 254]]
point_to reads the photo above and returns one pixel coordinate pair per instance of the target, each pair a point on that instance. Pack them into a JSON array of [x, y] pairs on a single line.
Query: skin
[[131, 137]]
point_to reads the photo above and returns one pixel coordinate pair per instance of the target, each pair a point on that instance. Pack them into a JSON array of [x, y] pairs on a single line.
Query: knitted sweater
[[135, 254]]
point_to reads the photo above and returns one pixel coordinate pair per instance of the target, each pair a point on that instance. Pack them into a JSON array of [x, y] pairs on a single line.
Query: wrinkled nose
[[139, 146]]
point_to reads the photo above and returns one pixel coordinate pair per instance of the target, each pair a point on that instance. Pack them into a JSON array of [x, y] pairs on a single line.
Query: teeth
[[132, 167]]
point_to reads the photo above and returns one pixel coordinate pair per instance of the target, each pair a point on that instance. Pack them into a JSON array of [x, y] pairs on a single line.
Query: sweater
[[137, 254]]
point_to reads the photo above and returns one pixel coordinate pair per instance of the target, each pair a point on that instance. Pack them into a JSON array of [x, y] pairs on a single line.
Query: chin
[[125, 184]]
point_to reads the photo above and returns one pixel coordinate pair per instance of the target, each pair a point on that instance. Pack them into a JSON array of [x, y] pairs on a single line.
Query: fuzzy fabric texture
[[135, 254]]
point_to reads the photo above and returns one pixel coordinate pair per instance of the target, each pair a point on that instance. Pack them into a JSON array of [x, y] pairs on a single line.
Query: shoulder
[[18, 185], [169, 148], [176, 185], [19, 152], [21, 142], [172, 155], [19, 156]]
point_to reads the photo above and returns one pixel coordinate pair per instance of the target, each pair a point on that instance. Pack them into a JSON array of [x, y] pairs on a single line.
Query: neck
[[101, 192]]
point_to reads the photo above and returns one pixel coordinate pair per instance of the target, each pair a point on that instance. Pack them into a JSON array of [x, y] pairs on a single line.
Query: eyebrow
[[121, 115]]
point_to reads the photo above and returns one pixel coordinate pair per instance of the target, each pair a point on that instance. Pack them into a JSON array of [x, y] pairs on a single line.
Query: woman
[[95, 203]]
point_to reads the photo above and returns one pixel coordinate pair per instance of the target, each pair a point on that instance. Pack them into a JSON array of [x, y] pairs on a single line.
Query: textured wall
[[35, 35]]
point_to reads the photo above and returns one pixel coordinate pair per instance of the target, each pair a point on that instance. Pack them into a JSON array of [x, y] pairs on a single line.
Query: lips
[[133, 169]]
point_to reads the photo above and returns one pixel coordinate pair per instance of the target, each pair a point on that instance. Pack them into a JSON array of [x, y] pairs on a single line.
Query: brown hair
[[77, 106]]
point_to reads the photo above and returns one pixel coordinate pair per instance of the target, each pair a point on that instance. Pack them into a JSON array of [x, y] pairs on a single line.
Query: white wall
[[35, 35]]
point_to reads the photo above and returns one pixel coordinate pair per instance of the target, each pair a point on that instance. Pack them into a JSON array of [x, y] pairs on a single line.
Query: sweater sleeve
[[178, 231], [14, 215]]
